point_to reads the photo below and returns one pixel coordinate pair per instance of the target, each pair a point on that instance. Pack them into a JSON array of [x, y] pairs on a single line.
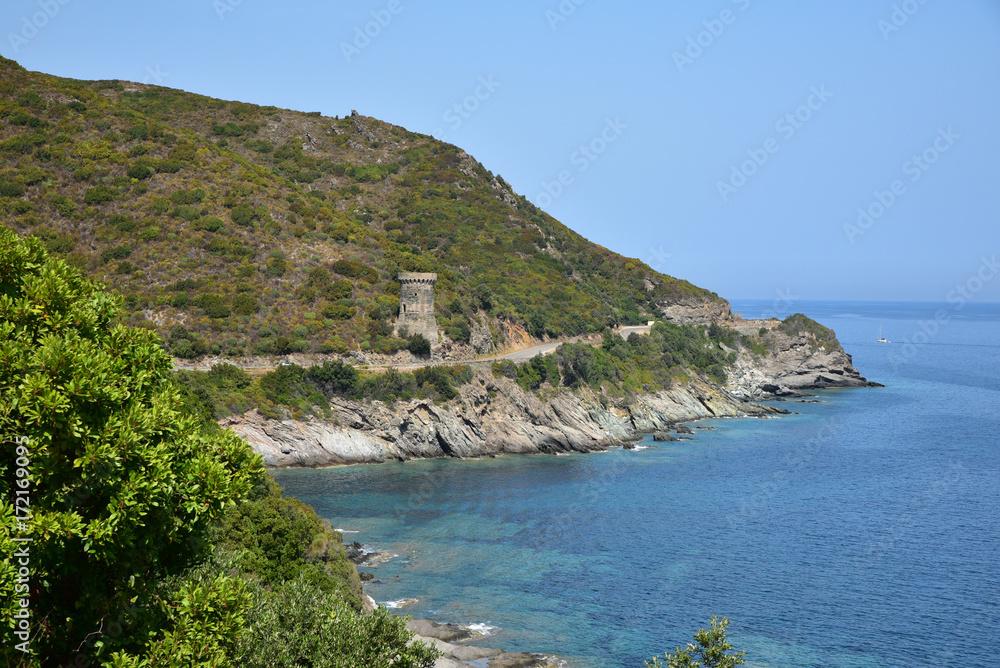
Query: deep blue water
[[864, 531]]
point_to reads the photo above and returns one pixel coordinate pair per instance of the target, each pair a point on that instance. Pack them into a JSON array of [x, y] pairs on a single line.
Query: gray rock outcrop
[[794, 363], [695, 311], [490, 416]]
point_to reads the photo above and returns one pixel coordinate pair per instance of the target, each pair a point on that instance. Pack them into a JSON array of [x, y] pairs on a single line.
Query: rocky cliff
[[695, 310], [796, 361], [490, 416]]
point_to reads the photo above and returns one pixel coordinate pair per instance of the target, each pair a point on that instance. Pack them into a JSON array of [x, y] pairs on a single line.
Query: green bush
[[115, 253], [64, 205], [11, 189], [285, 384], [209, 224], [319, 630], [437, 377], [355, 270], [418, 345], [213, 305], [140, 171], [188, 213], [124, 486], [334, 378], [245, 305], [338, 312], [187, 196], [243, 214], [276, 265], [98, 195]]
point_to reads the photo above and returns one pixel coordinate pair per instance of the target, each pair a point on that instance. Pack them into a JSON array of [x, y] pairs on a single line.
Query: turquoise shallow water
[[863, 531]]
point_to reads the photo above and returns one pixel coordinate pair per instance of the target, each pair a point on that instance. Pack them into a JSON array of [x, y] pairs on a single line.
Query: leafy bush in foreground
[[122, 484]]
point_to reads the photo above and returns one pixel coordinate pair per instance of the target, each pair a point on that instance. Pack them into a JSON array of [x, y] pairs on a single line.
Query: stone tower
[[416, 305]]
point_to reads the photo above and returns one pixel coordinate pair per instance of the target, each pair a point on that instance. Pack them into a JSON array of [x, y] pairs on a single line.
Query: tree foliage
[[123, 485], [154, 541], [712, 650]]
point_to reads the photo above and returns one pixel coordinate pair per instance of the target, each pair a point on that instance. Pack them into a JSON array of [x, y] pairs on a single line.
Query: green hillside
[[237, 229]]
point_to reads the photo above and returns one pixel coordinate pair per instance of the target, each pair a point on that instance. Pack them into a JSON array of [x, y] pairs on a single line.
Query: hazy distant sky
[[669, 97]]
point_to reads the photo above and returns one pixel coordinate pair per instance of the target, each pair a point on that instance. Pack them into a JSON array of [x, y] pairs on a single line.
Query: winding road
[[516, 356]]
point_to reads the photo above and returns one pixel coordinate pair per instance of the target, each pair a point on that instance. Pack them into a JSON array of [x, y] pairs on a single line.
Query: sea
[[861, 531]]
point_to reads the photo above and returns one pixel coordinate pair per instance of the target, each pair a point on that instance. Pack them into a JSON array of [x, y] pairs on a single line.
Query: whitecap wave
[[482, 629], [401, 603], [346, 531]]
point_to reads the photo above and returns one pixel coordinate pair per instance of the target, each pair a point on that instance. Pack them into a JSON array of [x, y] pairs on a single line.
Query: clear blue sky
[[676, 119]]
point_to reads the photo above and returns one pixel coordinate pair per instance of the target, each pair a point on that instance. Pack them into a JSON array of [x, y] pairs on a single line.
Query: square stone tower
[[416, 305]]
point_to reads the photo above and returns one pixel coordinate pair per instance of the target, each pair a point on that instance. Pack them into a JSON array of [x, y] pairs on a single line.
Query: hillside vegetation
[[132, 533], [236, 229]]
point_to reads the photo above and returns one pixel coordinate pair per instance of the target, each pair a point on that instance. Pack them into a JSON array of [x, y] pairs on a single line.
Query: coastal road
[[626, 332], [527, 353], [516, 356]]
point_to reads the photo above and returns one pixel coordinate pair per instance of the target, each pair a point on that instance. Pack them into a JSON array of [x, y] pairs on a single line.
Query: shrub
[[55, 242], [437, 377], [213, 305], [64, 205], [418, 345], [229, 376], [11, 189], [355, 270], [318, 629], [338, 312], [246, 215], [339, 289], [140, 171], [188, 213], [276, 266], [98, 195], [333, 345], [159, 205], [129, 500], [115, 253], [209, 224], [245, 305], [334, 378], [187, 196]]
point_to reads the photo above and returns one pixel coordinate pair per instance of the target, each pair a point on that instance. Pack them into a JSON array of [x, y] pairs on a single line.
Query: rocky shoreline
[[491, 416], [494, 415], [449, 638]]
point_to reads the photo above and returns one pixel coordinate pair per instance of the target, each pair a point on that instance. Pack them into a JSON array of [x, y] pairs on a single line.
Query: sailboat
[[881, 339]]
